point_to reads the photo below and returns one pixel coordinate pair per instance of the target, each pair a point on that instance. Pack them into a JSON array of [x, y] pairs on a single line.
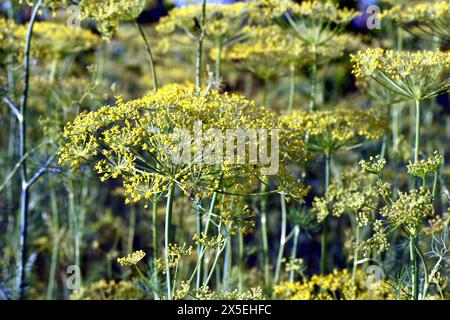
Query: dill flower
[[353, 195], [334, 286], [314, 22], [207, 241], [268, 52], [132, 258], [330, 131], [204, 293], [138, 141], [175, 254], [410, 209], [424, 167], [374, 166], [221, 21], [428, 19], [414, 75], [236, 216], [108, 14], [109, 290], [52, 4], [55, 40]]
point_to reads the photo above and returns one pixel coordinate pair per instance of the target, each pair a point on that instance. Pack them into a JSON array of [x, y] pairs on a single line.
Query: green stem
[[425, 269], [323, 244], [227, 264], [150, 56], [291, 88], [265, 92], [241, 262], [199, 51], [199, 247], [168, 236], [155, 241], [282, 237], [22, 260], [54, 258], [312, 94], [395, 130], [417, 137], [218, 61], [355, 254], [294, 250], [265, 237], [131, 229], [383, 146], [414, 269], [435, 181]]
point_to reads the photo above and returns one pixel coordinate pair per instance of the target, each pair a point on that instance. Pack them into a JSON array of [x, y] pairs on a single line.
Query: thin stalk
[[294, 250], [218, 61], [291, 88], [241, 262], [199, 247], [395, 130], [417, 137], [227, 264], [383, 146], [131, 229], [312, 94], [323, 244], [265, 92], [53, 66], [207, 224], [282, 237], [414, 270], [199, 50], [55, 247], [355, 254], [265, 237], [22, 151], [435, 181], [155, 241], [168, 236], [149, 55], [425, 269], [216, 259]]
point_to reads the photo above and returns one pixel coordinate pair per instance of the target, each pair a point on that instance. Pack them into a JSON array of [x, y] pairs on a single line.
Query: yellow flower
[[132, 258], [428, 19], [414, 75]]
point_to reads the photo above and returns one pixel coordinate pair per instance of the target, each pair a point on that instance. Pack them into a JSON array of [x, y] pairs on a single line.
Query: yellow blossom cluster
[[208, 241], [337, 285], [410, 209], [330, 131], [52, 4], [324, 10], [353, 195], [175, 254], [108, 14], [52, 40], [7, 43], [414, 75], [423, 167], [143, 141], [236, 216], [224, 21], [109, 290], [268, 52], [132, 258], [425, 18]]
